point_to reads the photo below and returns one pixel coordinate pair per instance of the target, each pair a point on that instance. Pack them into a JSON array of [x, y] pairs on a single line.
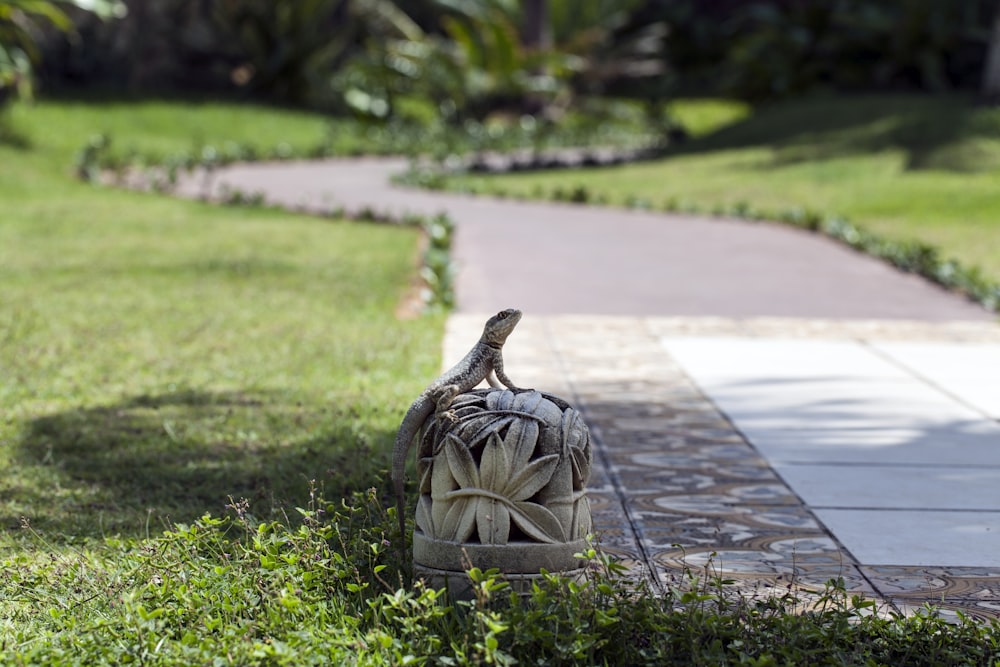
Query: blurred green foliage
[[456, 61], [774, 48], [21, 22]]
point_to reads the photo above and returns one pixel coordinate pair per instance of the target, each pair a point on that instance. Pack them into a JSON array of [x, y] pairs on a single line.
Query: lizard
[[485, 358]]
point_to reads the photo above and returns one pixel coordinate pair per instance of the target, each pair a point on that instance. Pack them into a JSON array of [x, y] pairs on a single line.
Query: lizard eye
[[502, 315]]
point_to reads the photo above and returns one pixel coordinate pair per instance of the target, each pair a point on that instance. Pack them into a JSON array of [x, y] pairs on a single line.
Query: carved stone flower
[[508, 467]]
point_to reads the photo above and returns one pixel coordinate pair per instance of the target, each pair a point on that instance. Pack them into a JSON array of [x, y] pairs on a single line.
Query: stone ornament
[[504, 467]]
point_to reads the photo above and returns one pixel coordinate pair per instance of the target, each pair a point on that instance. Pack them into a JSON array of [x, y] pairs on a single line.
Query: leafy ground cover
[[173, 375], [235, 590], [903, 167]]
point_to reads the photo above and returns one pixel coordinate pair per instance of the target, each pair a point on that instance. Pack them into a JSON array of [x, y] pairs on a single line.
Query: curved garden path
[[786, 409], [552, 258]]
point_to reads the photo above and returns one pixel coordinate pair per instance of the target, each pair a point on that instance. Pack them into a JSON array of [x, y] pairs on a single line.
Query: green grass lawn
[[158, 356], [57, 128], [905, 167]]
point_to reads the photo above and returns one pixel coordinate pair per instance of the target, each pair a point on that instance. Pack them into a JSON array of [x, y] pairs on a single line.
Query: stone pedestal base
[[443, 564]]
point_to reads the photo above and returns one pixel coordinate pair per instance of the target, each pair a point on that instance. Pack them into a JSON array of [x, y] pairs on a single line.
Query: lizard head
[[499, 327]]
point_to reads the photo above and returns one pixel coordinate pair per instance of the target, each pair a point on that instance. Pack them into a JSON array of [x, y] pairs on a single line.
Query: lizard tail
[[398, 467], [408, 429]]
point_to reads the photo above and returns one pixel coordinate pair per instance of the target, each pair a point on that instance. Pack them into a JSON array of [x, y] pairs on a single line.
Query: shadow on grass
[[150, 460], [942, 132]]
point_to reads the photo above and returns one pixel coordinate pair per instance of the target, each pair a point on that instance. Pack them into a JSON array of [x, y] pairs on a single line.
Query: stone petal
[[493, 521], [530, 479], [499, 400], [581, 467], [537, 523], [493, 469], [520, 441], [424, 520], [427, 476], [460, 463], [535, 403], [527, 401], [483, 428], [460, 520], [582, 521]]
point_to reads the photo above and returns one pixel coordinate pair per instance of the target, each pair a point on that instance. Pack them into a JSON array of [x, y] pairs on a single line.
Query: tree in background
[[468, 59], [284, 46], [991, 72], [536, 29], [21, 26], [763, 49], [489, 56]]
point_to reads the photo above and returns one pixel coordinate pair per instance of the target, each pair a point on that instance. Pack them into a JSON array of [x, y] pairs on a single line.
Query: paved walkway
[[764, 402], [570, 259]]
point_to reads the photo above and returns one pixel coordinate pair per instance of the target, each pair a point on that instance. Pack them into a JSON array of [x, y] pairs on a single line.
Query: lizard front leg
[[443, 407], [492, 380], [498, 369]]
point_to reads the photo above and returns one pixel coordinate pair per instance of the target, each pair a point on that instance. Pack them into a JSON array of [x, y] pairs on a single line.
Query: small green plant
[[580, 195], [236, 197], [91, 160], [438, 271]]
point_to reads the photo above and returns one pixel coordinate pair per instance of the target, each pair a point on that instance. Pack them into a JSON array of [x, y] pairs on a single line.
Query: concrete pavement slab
[[885, 486], [969, 372], [974, 445], [731, 359], [838, 405], [917, 538]]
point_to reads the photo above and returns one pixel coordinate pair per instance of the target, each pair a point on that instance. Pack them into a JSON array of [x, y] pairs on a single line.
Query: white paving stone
[[968, 371], [910, 538], [894, 487], [775, 359], [979, 444], [836, 403]]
